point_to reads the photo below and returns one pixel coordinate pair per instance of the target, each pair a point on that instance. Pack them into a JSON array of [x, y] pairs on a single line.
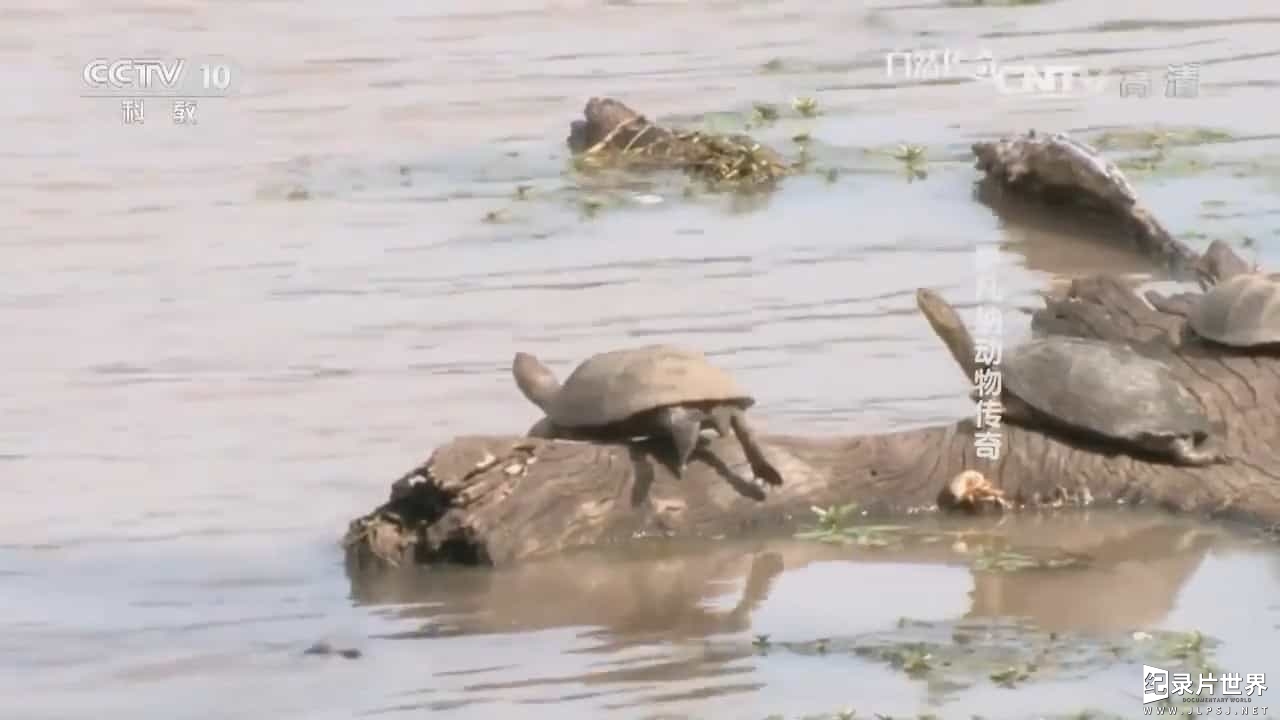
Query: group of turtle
[[1102, 390]]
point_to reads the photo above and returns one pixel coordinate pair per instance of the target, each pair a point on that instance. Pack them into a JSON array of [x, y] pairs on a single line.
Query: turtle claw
[[971, 490]]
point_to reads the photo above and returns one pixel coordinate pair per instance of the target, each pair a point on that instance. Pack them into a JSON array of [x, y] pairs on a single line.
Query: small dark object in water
[[324, 648]]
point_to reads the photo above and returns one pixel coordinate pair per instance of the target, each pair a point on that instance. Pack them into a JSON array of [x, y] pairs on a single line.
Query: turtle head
[[535, 380], [950, 327]]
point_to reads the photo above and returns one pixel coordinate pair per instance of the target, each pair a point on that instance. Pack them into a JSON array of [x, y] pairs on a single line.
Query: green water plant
[[1012, 675], [763, 114], [836, 525], [806, 106], [913, 161]]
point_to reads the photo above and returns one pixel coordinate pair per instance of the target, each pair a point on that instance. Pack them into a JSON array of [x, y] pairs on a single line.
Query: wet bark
[[497, 500]]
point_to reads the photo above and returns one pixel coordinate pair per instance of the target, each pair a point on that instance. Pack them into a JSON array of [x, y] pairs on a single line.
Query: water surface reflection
[[670, 625]]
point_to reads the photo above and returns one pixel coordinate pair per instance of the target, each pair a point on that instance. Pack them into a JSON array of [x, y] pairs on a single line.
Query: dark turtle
[[655, 390], [1242, 311], [1090, 387]]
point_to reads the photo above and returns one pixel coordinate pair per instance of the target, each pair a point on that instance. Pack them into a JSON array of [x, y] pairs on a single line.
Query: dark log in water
[[496, 500]]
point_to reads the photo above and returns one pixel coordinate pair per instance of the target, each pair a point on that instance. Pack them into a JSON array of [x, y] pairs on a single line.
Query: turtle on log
[[1093, 388], [653, 390], [1242, 312]]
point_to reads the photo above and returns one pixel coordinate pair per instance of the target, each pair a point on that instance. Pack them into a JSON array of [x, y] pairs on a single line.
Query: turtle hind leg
[[684, 426], [1185, 451], [756, 456], [546, 430]]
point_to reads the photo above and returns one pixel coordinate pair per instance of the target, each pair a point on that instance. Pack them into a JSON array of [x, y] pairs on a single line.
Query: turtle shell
[[613, 386], [1242, 311], [1102, 387]]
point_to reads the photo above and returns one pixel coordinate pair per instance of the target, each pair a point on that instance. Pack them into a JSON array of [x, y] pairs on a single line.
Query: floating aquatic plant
[[1009, 677], [910, 153], [764, 114], [834, 526], [590, 206], [806, 106], [913, 159]]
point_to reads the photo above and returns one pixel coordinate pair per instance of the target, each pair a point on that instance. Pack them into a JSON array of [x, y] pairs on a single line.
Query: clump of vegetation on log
[[613, 135]]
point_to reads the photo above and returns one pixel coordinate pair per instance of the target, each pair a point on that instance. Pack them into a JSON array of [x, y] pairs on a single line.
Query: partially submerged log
[[612, 134], [497, 500], [1059, 169]]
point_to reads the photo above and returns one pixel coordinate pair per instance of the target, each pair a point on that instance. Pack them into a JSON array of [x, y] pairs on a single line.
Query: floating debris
[[324, 648]]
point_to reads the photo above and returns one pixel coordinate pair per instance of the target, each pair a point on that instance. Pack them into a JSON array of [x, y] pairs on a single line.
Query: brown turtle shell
[[613, 386], [1242, 311]]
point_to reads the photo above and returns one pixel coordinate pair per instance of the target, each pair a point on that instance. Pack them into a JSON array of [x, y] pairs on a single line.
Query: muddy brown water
[[223, 340]]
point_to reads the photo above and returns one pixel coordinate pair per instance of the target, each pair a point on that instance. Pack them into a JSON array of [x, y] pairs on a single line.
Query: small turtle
[[1242, 311], [1090, 387], [656, 390]]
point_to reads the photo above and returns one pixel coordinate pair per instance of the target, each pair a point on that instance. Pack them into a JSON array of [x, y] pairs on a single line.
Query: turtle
[[651, 390], [1081, 386], [1242, 311]]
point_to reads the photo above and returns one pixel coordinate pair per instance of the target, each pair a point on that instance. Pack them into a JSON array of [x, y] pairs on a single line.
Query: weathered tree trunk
[[495, 500]]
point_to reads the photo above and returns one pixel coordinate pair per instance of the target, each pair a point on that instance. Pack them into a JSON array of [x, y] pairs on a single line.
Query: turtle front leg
[[684, 426], [1186, 451], [756, 456]]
